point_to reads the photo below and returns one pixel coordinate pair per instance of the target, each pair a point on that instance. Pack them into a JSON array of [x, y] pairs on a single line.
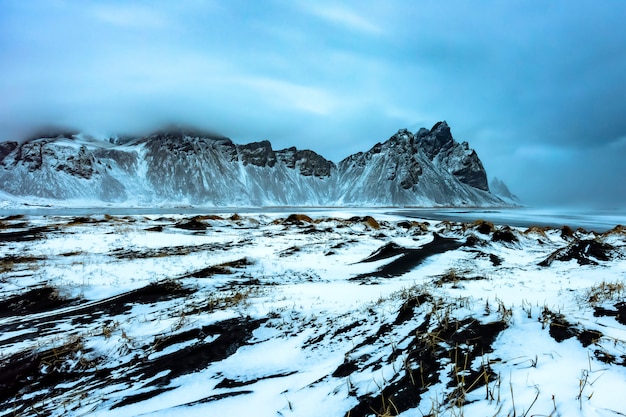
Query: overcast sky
[[538, 88]]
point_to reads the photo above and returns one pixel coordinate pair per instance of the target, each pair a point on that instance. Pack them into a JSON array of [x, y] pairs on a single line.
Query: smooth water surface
[[592, 220]]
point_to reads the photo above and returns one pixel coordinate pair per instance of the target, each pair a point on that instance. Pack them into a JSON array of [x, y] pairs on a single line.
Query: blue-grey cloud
[[537, 89]]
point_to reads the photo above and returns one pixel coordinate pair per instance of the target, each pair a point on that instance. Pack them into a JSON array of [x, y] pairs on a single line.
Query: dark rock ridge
[[188, 166]]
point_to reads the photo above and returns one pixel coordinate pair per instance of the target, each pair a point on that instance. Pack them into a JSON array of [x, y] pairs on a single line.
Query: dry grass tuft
[[536, 230], [483, 226], [234, 298], [617, 230], [420, 226], [567, 232], [80, 221], [210, 217], [297, 219], [606, 291], [371, 222], [8, 263]]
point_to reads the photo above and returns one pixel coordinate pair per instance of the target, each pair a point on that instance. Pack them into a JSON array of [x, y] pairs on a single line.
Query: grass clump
[[230, 299], [484, 227], [371, 222], [298, 219], [8, 263], [606, 291]]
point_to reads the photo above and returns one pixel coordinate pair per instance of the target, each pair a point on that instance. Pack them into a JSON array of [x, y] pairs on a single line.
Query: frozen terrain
[[328, 313]]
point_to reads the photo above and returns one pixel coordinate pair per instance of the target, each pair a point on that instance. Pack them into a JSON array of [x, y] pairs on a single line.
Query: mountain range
[[187, 166]]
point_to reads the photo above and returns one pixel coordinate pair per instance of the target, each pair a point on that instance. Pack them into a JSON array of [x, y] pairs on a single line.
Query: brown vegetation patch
[[454, 278], [10, 225], [536, 230], [210, 217], [567, 232], [8, 263], [617, 230], [420, 226], [371, 222], [484, 227], [236, 297], [445, 226], [368, 221], [606, 291], [297, 219], [121, 253]]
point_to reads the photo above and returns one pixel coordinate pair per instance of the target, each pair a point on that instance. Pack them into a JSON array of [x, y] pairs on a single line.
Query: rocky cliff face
[[458, 159], [426, 168], [186, 166]]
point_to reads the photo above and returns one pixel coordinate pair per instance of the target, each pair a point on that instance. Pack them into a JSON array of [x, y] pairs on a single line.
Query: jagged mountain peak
[[438, 145], [441, 130], [182, 164], [438, 139]]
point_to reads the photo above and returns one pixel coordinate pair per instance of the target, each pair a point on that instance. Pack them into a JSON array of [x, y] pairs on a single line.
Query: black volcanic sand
[[45, 370], [46, 299], [409, 258], [461, 341], [586, 252], [30, 376]]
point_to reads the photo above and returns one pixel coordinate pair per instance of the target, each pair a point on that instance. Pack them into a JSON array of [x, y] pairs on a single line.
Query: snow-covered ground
[[330, 313]]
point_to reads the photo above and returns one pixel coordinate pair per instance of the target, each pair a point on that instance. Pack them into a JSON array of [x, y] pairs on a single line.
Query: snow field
[[292, 332]]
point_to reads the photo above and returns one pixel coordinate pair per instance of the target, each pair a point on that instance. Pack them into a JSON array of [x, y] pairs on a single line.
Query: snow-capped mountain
[[500, 189], [427, 168], [191, 167]]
